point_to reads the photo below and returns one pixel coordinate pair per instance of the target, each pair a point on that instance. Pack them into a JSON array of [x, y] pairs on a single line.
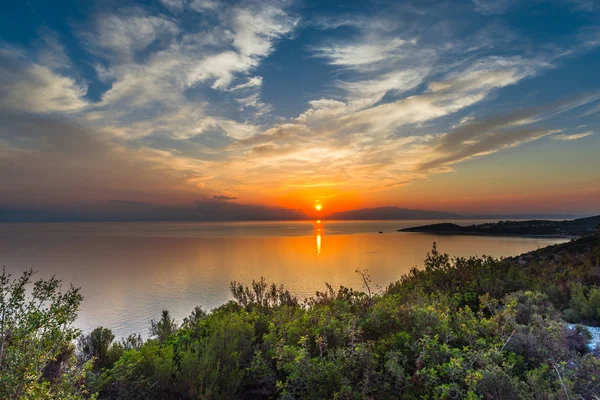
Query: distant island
[[547, 228]]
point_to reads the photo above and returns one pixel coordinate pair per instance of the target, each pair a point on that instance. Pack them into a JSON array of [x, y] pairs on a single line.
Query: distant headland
[[536, 227]]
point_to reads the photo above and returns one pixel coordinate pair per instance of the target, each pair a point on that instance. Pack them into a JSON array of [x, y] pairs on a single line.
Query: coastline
[[463, 233]]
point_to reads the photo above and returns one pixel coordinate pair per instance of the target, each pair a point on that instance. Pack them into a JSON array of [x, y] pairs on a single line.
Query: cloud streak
[[574, 136]]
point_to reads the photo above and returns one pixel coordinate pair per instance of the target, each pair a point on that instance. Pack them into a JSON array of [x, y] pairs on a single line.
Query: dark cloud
[[50, 160], [130, 203], [488, 143], [474, 129], [223, 198], [493, 133]]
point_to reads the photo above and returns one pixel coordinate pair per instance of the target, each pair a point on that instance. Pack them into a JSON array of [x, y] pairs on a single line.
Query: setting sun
[[318, 207]]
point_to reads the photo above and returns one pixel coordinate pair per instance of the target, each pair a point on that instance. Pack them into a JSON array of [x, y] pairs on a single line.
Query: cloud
[[68, 162], [253, 82], [361, 56], [376, 61], [592, 111], [256, 28], [486, 143], [50, 51], [29, 86], [122, 37], [223, 198], [384, 59], [585, 5], [572, 137], [174, 5], [488, 135], [163, 76], [123, 210], [203, 5], [491, 7], [331, 146]]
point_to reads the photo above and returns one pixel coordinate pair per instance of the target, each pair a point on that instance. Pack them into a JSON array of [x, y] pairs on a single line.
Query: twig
[[561, 381], [507, 340]]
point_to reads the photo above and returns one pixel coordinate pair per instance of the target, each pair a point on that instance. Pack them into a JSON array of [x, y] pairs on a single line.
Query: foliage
[[98, 347], [36, 334], [163, 327], [261, 295], [584, 305]]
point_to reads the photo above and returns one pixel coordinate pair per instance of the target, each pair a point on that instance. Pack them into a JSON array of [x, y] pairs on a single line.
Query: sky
[[187, 109]]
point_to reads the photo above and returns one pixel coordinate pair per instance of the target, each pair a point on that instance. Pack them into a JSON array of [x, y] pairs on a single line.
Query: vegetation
[[36, 339], [475, 328]]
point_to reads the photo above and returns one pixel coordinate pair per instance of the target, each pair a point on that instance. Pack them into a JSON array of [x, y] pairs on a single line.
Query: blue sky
[[475, 106]]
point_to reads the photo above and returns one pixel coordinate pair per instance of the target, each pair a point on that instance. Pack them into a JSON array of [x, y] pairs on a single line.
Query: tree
[[36, 331], [96, 345], [163, 328]]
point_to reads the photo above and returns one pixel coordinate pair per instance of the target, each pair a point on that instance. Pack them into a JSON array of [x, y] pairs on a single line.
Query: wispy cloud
[[27, 85], [491, 7], [153, 66], [574, 136]]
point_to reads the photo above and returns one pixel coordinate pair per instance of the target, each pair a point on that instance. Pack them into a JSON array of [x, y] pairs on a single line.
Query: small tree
[[198, 314], [163, 328], [36, 331], [132, 342], [96, 345]]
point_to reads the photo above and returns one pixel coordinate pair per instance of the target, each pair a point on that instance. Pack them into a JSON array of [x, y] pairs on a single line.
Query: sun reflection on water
[[319, 231], [318, 244]]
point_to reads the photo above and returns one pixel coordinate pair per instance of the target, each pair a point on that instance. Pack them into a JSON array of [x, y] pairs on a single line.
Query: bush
[[36, 334], [584, 305]]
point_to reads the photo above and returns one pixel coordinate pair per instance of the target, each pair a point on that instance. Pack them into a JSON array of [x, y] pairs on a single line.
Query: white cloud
[[204, 5], [221, 68], [574, 136], [26, 86], [254, 82], [377, 62], [174, 5], [364, 93], [361, 55], [51, 52], [153, 65], [121, 37], [257, 28]]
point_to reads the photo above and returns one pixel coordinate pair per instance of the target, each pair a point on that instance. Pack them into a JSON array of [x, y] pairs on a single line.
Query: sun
[[318, 207]]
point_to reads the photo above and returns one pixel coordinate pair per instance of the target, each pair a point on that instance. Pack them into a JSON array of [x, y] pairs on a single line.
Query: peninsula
[[546, 228]]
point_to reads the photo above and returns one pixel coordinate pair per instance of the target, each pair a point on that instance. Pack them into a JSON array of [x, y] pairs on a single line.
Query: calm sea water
[[129, 272]]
